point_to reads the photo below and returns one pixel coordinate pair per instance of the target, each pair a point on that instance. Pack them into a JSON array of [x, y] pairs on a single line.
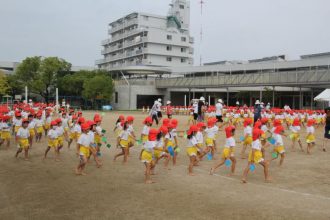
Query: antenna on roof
[[201, 2]]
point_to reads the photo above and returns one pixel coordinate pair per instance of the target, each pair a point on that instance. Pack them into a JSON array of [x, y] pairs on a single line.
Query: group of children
[[29, 125], [201, 141]]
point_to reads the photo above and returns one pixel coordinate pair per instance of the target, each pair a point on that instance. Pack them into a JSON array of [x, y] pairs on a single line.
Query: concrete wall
[[127, 95]]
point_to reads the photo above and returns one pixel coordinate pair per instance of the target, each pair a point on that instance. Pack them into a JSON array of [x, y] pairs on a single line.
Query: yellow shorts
[[146, 157], [5, 135], [227, 152], [66, 129], [32, 132], [158, 153], [73, 136], [52, 143], [130, 140], [47, 126], [40, 130], [97, 139], [123, 143], [16, 128], [209, 142], [84, 151], [295, 136], [144, 138], [248, 140], [192, 151], [24, 143], [60, 140], [310, 139], [169, 144], [257, 156], [279, 149]]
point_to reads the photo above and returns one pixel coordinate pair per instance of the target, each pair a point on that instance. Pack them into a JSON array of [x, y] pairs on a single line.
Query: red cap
[[90, 122], [170, 125], [163, 129], [278, 129], [147, 120], [85, 126], [58, 120], [277, 122], [53, 123], [121, 117], [130, 118], [96, 120], [201, 124], [25, 120], [310, 122], [166, 121], [264, 120], [296, 122], [74, 117], [229, 130], [152, 134], [81, 120], [174, 122], [257, 124], [256, 133], [247, 121], [193, 128]]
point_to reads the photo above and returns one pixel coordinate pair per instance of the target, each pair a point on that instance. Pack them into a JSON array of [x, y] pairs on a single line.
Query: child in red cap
[[310, 138], [192, 148], [279, 145], [228, 151]]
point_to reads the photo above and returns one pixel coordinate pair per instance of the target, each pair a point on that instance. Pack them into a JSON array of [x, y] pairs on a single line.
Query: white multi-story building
[[150, 40]]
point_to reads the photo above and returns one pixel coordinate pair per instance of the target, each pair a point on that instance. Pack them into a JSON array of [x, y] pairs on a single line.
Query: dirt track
[[50, 190]]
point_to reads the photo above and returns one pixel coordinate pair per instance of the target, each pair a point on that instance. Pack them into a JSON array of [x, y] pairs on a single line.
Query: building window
[[146, 18], [168, 48], [183, 50], [116, 97], [169, 37], [183, 39], [183, 60], [181, 6], [169, 59]]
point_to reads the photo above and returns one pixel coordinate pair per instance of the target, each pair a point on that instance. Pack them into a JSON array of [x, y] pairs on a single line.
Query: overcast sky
[[233, 29]]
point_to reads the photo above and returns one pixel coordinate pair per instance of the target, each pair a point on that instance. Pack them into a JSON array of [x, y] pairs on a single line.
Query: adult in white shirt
[[218, 110]]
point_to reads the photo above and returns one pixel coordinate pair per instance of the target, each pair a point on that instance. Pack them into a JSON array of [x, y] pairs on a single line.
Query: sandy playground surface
[[38, 189]]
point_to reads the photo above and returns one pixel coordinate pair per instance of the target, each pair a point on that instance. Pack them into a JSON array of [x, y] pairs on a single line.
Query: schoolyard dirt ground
[[38, 189]]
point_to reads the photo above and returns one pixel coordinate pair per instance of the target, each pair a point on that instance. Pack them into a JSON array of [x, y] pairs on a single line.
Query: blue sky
[[233, 30]]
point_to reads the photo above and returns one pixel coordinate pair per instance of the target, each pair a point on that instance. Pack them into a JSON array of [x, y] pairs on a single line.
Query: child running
[[5, 131], [228, 151], [279, 145], [52, 140], [22, 137], [255, 156], [84, 144], [192, 148], [122, 142], [247, 136], [310, 138]]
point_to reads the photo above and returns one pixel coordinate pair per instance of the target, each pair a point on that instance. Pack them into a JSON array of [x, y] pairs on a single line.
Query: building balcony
[[123, 25], [105, 42], [191, 40]]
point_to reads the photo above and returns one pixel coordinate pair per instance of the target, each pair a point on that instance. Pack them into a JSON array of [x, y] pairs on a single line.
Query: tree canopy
[[4, 86]]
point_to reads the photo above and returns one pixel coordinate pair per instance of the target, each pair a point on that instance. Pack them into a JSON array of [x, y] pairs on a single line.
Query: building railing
[[136, 82], [292, 78]]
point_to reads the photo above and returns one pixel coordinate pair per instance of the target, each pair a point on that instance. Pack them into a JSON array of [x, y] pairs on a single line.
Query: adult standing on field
[[218, 110], [200, 112], [159, 109], [326, 129], [257, 111]]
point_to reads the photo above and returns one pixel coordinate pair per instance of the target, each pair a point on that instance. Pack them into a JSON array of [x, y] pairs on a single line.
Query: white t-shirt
[[98, 130], [218, 108], [65, 123], [84, 140], [199, 137], [310, 129], [4, 126], [211, 132], [278, 140], [39, 122], [77, 128], [91, 136], [60, 131], [145, 130], [248, 131], [230, 142], [23, 132], [149, 146], [264, 128], [32, 124], [52, 133], [17, 122], [195, 107], [124, 135], [256, 145], [192, 142], [295, 129]]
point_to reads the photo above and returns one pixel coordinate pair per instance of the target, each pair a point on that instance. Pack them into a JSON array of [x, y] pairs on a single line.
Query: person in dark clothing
[[326, 129], [257, 111], [200, 112]]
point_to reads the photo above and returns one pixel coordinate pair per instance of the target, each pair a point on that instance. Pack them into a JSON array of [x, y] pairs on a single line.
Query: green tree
[[73, 84], [4, 86], [100, 87], [41, 75]]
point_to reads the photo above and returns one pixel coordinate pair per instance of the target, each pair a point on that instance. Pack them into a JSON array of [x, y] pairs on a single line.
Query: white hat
[[257, 102], [168, 102], [220, 100], [202, 98], [237, 103], [159, 100]]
